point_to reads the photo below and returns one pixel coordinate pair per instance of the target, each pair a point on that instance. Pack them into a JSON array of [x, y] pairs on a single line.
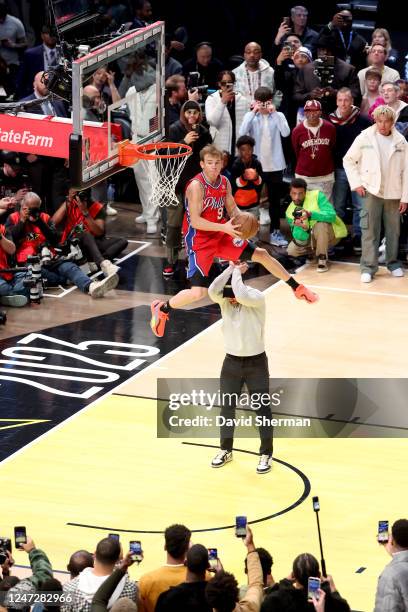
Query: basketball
[[248, 225]]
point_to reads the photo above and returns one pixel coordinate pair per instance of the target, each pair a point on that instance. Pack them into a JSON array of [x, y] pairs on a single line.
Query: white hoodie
[[88, 584], [263, 77]]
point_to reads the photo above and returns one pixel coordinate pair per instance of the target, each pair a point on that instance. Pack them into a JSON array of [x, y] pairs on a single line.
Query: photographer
[[207, 66], [347, 45], [83, 218], [13, 183], [224, 111], [41, 570], [12, 289], [321, 79], [31, 229], [313, 222]]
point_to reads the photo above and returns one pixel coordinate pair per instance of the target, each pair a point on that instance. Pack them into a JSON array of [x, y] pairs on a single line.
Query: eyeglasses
[[226, 82]]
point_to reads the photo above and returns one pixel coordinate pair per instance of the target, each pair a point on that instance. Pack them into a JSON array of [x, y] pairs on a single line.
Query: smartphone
[[382, 536], [115, 536], [213, 557], [240, 526], [286, 20], [316, 504], [313, 587], [135, 548], [20, 536]]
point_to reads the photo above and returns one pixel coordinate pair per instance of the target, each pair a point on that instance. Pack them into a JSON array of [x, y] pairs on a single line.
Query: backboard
[[130, 107]]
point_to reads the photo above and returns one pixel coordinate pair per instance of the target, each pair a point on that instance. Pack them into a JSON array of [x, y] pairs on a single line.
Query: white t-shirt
[[265, 146], [385, 146], [13, 30]]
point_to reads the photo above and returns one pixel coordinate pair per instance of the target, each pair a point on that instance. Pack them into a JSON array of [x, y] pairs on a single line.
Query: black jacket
[[283, 597], [177, 133]]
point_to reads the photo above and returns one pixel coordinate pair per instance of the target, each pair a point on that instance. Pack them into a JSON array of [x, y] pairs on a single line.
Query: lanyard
[[344, 42], [251, 93]]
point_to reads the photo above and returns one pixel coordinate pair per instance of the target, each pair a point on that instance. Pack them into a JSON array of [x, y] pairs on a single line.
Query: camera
[[193, 82], [45, 254], [70, 250], [324, 70], [33, 279], [298, 213], [34, 213], [5, 545]]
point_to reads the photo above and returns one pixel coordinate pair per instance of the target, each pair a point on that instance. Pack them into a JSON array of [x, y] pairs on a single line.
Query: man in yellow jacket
[[313, 222]]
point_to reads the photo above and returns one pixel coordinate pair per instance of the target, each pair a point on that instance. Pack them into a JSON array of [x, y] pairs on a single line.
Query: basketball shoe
[[221, 458], [303, 293], [159, 318]]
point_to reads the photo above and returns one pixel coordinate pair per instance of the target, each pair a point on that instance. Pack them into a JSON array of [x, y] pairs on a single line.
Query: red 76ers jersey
[[213, 200]]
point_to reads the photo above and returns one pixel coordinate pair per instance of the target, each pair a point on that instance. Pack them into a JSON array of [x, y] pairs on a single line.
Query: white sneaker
[[109, 268], [221, 459], [92, 267], [110, 211], [398, 272], [277, 239], [140, 219], [151, 227], [16, 301], [264, 218], [264, 464], [97, 289], [381, 248], [381, 258], [366, 277]]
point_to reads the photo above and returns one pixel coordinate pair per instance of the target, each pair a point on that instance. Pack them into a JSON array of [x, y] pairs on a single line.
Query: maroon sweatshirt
[[314, 154]]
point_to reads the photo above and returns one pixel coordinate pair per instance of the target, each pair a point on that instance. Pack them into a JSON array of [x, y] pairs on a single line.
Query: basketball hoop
[[168, 160]]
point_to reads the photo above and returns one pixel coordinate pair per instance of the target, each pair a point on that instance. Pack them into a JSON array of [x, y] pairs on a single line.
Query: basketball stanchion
[[167, 162], [316, 508]]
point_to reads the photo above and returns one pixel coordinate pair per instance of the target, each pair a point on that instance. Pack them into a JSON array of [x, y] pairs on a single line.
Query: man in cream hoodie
[[377, 169], [254, 72], [82, 589]]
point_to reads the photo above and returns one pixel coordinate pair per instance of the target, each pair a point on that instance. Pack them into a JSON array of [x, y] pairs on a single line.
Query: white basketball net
[[164, 173]]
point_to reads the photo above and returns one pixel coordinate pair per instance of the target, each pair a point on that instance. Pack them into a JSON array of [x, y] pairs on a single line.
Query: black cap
[[11, 158], [228, 292]]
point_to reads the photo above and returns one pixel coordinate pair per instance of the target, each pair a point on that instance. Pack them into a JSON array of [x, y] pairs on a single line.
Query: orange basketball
[[248, 225]]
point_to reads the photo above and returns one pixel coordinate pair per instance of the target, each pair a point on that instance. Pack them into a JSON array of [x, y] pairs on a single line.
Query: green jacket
[[322, 210], [42, 570]]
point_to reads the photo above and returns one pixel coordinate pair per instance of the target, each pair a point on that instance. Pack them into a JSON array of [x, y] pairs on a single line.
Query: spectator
[[188, 130], [13, 182], [314, 224], [37, 59], [347, 44], [6, 85], [291, 593], [50, 585], [267, 127], [392, 589], [309, 85], [349, 123], [83, 588], [403, 92], [84, 219], [53, 107], [266, 563], [390, 93], [376, 59], [246, 177], [189, 596], [104, 80], [143, 13], [222, 591], [12, 289], [288, 63], [152, 584], [224, 111], [78, 561], [171, 65], [372, 90], [12, 39], [297, 25], [30, 229], [100, 601], [176, 95], [377, 169], [207, 66], [382, 37], [313, 141], [41, 571], [254, 72]]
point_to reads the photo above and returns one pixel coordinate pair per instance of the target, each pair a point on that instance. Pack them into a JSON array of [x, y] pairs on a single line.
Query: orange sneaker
[[303, 293], [159, 318]]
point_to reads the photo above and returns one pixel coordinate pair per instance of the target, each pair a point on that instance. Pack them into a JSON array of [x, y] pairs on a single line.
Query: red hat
[[312, 105]]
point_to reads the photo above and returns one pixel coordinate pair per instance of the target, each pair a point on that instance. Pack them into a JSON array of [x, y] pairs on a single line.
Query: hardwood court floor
[[105, 467]]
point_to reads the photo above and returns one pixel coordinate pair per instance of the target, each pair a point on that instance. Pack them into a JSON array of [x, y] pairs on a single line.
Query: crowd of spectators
[[293, 110], [191, 581]]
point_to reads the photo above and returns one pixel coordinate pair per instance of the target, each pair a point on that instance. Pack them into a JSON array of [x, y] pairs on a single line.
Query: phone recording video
[[240, 526], [20, 536], [383, 535], [213, 557], [135, 548], [313, 587], [114, 536], [316, 504]]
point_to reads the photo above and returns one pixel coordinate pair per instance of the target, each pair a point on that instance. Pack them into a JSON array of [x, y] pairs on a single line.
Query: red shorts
[[201, 254]]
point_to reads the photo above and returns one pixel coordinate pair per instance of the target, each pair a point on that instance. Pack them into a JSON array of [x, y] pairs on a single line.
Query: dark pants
[[254, 372], [49, 178], [274, 186], [99, 248]]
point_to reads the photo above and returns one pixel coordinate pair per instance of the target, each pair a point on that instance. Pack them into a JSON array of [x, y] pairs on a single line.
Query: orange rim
[[149, 150]]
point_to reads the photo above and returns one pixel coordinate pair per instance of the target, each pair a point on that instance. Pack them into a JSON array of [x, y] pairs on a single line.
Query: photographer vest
[[76, 218], [33, 237], [3, 258], [310, 203]]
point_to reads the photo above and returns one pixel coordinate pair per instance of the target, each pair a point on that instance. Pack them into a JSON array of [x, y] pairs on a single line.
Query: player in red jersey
[[208, 235]]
